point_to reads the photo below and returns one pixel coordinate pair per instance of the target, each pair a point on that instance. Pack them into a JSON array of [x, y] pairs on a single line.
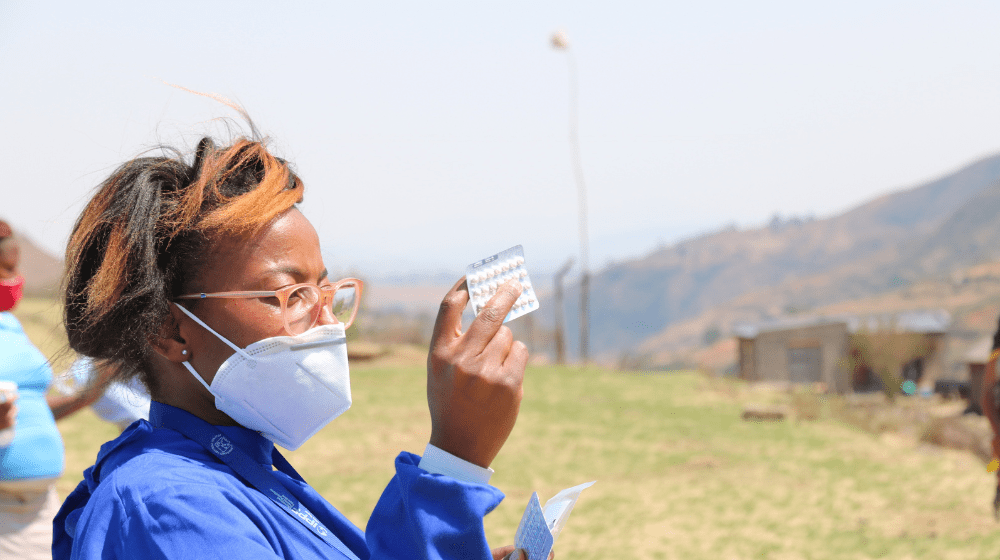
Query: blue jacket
[[153, 493], [37, 449]]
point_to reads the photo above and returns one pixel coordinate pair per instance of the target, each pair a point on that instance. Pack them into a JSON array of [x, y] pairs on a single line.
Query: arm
[[64, 405], [474, 379], [474, 390], [988, 401]]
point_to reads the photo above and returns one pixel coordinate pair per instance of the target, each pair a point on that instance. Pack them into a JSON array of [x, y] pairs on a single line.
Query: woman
[[32, 463], [207, 281], [991, 409]]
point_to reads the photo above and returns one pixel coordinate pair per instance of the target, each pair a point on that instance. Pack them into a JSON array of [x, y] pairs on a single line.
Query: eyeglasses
[[302, 304]]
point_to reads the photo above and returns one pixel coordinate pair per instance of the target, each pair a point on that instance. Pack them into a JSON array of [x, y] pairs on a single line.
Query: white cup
[[8, 390]]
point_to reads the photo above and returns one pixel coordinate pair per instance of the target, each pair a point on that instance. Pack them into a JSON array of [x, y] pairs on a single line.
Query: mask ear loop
[[238, 350], [196, 375]]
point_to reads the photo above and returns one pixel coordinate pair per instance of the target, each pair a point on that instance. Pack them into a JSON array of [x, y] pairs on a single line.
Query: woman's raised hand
[[474, 379]]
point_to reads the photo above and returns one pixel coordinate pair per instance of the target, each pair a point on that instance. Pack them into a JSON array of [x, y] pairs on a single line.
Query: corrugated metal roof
[[918, 321], [751, 330]]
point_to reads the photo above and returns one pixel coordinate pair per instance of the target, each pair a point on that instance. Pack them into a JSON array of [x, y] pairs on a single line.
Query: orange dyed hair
[[142, 237]]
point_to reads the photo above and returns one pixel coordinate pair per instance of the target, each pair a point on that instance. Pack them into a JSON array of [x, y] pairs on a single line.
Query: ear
[[169, 343]]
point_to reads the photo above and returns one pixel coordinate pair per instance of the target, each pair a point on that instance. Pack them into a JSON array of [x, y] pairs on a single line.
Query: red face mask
[[10, 292]]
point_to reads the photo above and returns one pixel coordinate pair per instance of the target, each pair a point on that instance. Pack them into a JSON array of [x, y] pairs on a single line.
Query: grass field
[[679, 474]]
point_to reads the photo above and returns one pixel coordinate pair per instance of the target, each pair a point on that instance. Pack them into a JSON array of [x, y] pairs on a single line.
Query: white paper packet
[[540, 527]]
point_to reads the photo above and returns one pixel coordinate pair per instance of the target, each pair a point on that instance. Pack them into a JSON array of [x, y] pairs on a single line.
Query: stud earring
[[184, 352]]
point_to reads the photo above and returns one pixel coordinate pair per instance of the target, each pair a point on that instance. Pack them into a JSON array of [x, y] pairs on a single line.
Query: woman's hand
[[509, 552], [8, 411], [474, 378]]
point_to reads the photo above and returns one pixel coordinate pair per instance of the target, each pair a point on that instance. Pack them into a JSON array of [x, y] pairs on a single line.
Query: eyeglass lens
[[303, 308]]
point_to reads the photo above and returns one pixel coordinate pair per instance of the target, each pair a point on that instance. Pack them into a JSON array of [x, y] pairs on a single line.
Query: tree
[[885, 350]]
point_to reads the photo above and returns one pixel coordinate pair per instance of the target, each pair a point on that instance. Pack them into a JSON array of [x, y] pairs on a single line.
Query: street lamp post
[[560, 325], [560, 42]]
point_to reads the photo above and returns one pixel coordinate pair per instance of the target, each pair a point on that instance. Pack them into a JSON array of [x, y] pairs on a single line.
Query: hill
[[42, 271], [893, 241]]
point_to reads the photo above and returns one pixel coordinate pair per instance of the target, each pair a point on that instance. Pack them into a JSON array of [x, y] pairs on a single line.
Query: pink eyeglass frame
[[282, 294]]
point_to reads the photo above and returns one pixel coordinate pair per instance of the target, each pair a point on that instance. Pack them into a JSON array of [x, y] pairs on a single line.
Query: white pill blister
[[486, 276]]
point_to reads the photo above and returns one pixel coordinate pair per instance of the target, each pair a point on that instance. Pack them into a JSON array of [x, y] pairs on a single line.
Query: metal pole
[[560, 323], [560, 42]]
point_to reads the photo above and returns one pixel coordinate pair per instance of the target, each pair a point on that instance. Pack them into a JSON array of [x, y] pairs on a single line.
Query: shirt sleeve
[[423, 515], [438, 461]]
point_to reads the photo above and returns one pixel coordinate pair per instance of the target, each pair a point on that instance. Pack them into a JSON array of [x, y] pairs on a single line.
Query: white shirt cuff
[[438, 461]]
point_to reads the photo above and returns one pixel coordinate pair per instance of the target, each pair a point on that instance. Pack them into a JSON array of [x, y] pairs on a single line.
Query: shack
[[844, 352], [795, 350]]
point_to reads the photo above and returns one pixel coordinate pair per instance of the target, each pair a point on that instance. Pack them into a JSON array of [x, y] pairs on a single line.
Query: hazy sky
[[431, 134]]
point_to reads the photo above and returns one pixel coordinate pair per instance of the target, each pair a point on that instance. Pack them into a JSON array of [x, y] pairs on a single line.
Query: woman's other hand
[[509, 552], [474, 379]]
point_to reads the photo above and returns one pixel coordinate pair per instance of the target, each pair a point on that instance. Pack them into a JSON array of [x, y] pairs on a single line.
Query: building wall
[[771, 354], [746, 359]]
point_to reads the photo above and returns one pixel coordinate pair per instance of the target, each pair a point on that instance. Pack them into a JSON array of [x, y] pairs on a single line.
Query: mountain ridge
[[892, 240]]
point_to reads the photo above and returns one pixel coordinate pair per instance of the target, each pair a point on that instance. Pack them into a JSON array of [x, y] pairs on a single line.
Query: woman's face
[[286, 252], [10, 256]]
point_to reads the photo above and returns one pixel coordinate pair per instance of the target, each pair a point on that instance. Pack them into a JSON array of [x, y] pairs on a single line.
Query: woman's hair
[[143, 237], [5, 230]]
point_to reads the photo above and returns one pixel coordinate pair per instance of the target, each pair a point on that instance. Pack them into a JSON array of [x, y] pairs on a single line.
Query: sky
[[432, 134]]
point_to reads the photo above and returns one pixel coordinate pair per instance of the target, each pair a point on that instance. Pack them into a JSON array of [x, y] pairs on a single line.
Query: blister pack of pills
[[485, 277]]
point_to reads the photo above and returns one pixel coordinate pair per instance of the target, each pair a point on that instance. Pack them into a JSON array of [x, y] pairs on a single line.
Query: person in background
[[33, 461], [991, 408], [121, 403]]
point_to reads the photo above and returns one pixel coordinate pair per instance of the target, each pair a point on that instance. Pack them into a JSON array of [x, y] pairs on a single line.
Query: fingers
[[517, 358], [502, 552], [499, 346], [491, 317], [517, 554], [449, 318]]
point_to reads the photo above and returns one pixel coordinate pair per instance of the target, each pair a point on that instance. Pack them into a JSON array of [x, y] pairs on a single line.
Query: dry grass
[[679, 474]]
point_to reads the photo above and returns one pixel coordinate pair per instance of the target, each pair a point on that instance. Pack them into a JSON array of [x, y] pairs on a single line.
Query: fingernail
[[517, 554]]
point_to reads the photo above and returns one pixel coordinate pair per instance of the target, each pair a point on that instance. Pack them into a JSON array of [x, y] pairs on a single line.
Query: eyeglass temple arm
[[228, 295]]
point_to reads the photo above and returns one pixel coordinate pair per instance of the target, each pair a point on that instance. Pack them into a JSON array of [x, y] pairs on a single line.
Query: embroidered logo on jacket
[[221, 445]]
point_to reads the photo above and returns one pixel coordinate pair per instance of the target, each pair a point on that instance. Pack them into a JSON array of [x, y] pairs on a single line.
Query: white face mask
[[285, 387]]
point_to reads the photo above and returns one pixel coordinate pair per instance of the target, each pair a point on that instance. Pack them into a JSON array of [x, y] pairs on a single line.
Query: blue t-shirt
[[37, 449], [154, 493]]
